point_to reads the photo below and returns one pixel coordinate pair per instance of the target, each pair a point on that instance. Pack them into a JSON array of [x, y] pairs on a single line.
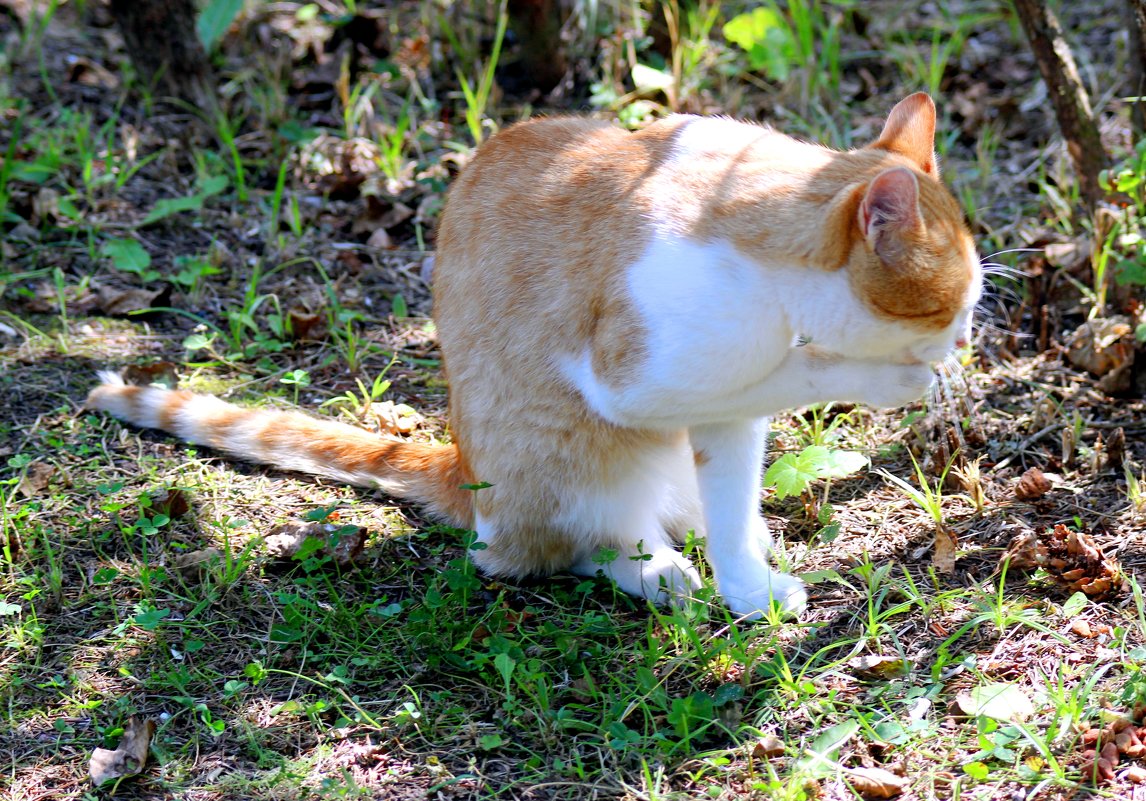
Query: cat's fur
[[619, 314]]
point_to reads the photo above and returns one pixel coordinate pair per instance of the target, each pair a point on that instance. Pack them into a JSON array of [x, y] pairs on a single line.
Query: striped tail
[[430, 475]]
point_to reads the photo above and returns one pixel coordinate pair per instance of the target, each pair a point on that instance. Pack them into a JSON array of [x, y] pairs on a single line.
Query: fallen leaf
[[122, 302], [1081, 628], [343, 544], [946, 549], [36, 479], [380, 239], [768, 746], [998, 701], [306, 326], [128, 758], [1116, 449], [46, 206], [875, 782], [171, 501], [395, 418], [1032, 485], [1071, 255], [195, 563], [1102, 345], [879, 668], [144, 375], [76, 299], [1135, 774], [1023, 552], [90, 73]]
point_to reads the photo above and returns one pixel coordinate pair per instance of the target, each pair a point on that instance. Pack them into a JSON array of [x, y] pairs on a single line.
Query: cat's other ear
[[889, 212], [910, 131]]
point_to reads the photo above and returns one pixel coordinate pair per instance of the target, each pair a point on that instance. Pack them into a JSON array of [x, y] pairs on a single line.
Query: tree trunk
[[163, 45], [1137, 14], [537, 25], [1071, 104]]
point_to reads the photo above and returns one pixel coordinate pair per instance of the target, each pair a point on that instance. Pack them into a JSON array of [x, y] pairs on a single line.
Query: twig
[[1028, 442]]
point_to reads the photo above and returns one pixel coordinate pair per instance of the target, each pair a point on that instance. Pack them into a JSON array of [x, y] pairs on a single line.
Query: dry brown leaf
[[305, 325], [77, 299], [1023, 552], [1032, 485], [121, 302], [996, 700], [90, 73], [1116, 449], [1102, 345], [1074, 559], [875, 782], [343, 544], [171, 501], [380, 239], [36, 479], [195, 563], [128, 758], [395, 216], [879, 668], [395, 418], [1071, 255], [1081, 628], [768, 746], [144, 375], [946, 549]]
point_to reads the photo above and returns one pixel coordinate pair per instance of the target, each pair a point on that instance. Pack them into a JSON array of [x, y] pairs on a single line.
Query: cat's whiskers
[[1004, 270]]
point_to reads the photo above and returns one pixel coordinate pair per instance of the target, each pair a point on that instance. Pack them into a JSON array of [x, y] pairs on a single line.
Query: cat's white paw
[[753, 596], [898, 385], [668, 577]]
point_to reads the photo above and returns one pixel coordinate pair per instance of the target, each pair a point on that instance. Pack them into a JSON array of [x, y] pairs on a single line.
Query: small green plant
[[358, 405], [392, 158], [214, 19], [1135, 486], [793, 473], [208, 187], [190, 272], [928, 497], [477, 96], [799, 36], [130, 257], [296, 379]]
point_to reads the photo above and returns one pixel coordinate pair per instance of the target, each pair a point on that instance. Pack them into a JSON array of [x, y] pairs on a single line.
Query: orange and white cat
[[619, 314]]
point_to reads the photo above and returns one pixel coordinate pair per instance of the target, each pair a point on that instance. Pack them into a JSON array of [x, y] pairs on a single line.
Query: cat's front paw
[[752, 597], [895, 385]]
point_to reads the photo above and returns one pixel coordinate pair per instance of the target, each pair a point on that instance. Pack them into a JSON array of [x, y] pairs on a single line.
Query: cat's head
[[912, 261]]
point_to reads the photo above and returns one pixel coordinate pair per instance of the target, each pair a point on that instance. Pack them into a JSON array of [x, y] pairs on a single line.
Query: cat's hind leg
[[650, 569], [636, 521]]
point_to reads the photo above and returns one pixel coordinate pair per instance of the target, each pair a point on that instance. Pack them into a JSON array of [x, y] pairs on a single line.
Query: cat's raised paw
[[898, 385]]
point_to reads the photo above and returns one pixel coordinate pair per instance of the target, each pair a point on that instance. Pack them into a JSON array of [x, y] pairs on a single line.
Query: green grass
[[409, 673]]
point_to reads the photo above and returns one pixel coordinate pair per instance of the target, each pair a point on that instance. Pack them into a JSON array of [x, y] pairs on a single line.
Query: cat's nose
[[961, 342]]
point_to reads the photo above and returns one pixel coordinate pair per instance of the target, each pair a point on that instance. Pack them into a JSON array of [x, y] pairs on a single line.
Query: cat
[[619, 315]]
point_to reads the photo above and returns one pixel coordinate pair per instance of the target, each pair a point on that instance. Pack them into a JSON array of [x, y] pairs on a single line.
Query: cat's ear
[[910, 131], [890, 210]]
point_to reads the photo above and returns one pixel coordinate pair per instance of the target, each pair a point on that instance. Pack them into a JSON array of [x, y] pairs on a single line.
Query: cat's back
[[546, 214], [549, 170]]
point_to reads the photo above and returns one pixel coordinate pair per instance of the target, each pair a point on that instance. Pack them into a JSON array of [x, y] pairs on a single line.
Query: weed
[[477, 97], [929, 497]]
